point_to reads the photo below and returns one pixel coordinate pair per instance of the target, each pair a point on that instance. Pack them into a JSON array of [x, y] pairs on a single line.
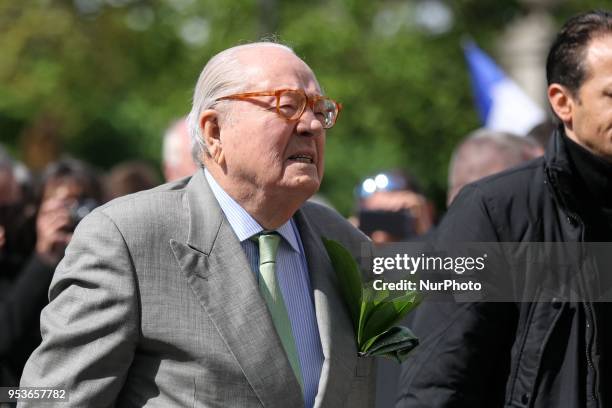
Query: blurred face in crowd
[[261, 152], [66, 189], [587, 116], [9, 189], [403, 207], [178, 162], [9, 194]]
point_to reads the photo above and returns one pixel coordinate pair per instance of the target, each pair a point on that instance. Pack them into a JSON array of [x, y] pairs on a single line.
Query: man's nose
[[308, 124]]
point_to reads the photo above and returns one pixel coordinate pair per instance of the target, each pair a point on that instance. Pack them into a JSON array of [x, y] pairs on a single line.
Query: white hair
[[223, 75], [171, 143]]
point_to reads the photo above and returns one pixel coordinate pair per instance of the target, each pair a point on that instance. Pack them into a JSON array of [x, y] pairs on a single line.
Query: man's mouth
[[302, 158]]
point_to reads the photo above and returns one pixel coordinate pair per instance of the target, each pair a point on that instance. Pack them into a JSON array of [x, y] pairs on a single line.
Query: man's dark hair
[[565, 64], [77, 170]]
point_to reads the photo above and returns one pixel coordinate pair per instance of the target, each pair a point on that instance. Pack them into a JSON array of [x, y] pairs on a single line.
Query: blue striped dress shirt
[[294, 282]]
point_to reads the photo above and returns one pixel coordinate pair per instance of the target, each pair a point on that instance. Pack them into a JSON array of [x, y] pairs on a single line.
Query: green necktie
[[270, 290]]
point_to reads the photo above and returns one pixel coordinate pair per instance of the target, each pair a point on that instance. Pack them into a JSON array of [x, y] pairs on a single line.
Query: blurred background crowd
[[38, 214], [87, 88]]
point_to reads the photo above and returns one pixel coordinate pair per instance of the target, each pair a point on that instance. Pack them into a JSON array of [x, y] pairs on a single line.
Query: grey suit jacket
[[155, 305]]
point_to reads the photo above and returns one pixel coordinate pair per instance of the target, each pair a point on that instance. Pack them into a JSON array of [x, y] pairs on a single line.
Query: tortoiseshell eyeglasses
[[291, 104]]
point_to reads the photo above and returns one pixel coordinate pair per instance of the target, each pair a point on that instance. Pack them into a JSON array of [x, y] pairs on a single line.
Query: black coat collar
[[560, 176]]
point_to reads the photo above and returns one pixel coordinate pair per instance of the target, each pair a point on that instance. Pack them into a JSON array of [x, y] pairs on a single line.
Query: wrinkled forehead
[[272, 67]]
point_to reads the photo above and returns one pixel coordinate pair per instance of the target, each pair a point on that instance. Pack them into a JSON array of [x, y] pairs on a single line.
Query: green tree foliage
[[111, 74]]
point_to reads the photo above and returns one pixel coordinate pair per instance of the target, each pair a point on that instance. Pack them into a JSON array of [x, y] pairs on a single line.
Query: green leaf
[[396, 343], [349, 277], [384, 315], [370, 299], [373, 312], [363, 311]]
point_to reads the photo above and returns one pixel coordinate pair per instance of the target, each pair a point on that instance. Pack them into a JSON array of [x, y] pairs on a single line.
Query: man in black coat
[[538, 354]]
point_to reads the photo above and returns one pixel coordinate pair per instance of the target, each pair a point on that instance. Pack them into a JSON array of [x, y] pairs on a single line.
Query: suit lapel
[[219, 274], [335, 327]]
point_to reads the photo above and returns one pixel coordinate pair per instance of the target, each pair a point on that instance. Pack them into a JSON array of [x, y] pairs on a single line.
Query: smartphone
[[400, 224]]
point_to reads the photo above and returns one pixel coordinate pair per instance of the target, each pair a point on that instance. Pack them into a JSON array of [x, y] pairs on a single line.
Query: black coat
[[21, 301], [509, 354]]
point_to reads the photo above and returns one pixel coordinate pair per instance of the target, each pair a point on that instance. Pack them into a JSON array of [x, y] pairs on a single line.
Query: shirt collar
[[240, 220]]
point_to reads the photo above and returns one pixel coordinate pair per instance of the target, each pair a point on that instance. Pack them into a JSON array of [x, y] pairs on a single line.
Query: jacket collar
[[203, 211], [560, 175]]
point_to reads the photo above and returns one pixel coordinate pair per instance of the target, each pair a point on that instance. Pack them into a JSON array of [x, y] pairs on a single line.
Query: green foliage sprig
[[373, 312]]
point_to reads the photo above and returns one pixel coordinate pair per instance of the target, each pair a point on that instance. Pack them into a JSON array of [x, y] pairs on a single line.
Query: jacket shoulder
[[330, 223], [158, 201], [158, 213], [513, 181], [512, 202]]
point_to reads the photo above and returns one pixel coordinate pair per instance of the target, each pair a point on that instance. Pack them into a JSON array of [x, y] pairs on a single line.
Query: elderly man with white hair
[[215, 290]]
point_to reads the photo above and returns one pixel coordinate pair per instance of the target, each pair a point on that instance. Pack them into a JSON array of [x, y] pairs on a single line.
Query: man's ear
[[211, 133], [562, 103]]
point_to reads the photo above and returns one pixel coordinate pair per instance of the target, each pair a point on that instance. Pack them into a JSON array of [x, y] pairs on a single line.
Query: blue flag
[[502, 105]]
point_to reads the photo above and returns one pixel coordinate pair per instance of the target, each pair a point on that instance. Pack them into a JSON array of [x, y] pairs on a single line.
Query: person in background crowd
[[18, 291], [68, 190], [215, 290], [392, 208], [555, 352], [129, 177], [16, 214], [485, 152], [178, 160], [542, 132]]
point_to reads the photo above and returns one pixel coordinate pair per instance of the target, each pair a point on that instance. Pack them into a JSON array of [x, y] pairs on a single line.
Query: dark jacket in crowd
[[21, 300], [538, 354]]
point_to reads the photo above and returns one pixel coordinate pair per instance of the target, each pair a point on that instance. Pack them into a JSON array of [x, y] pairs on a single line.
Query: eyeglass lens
[[291, 105]]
